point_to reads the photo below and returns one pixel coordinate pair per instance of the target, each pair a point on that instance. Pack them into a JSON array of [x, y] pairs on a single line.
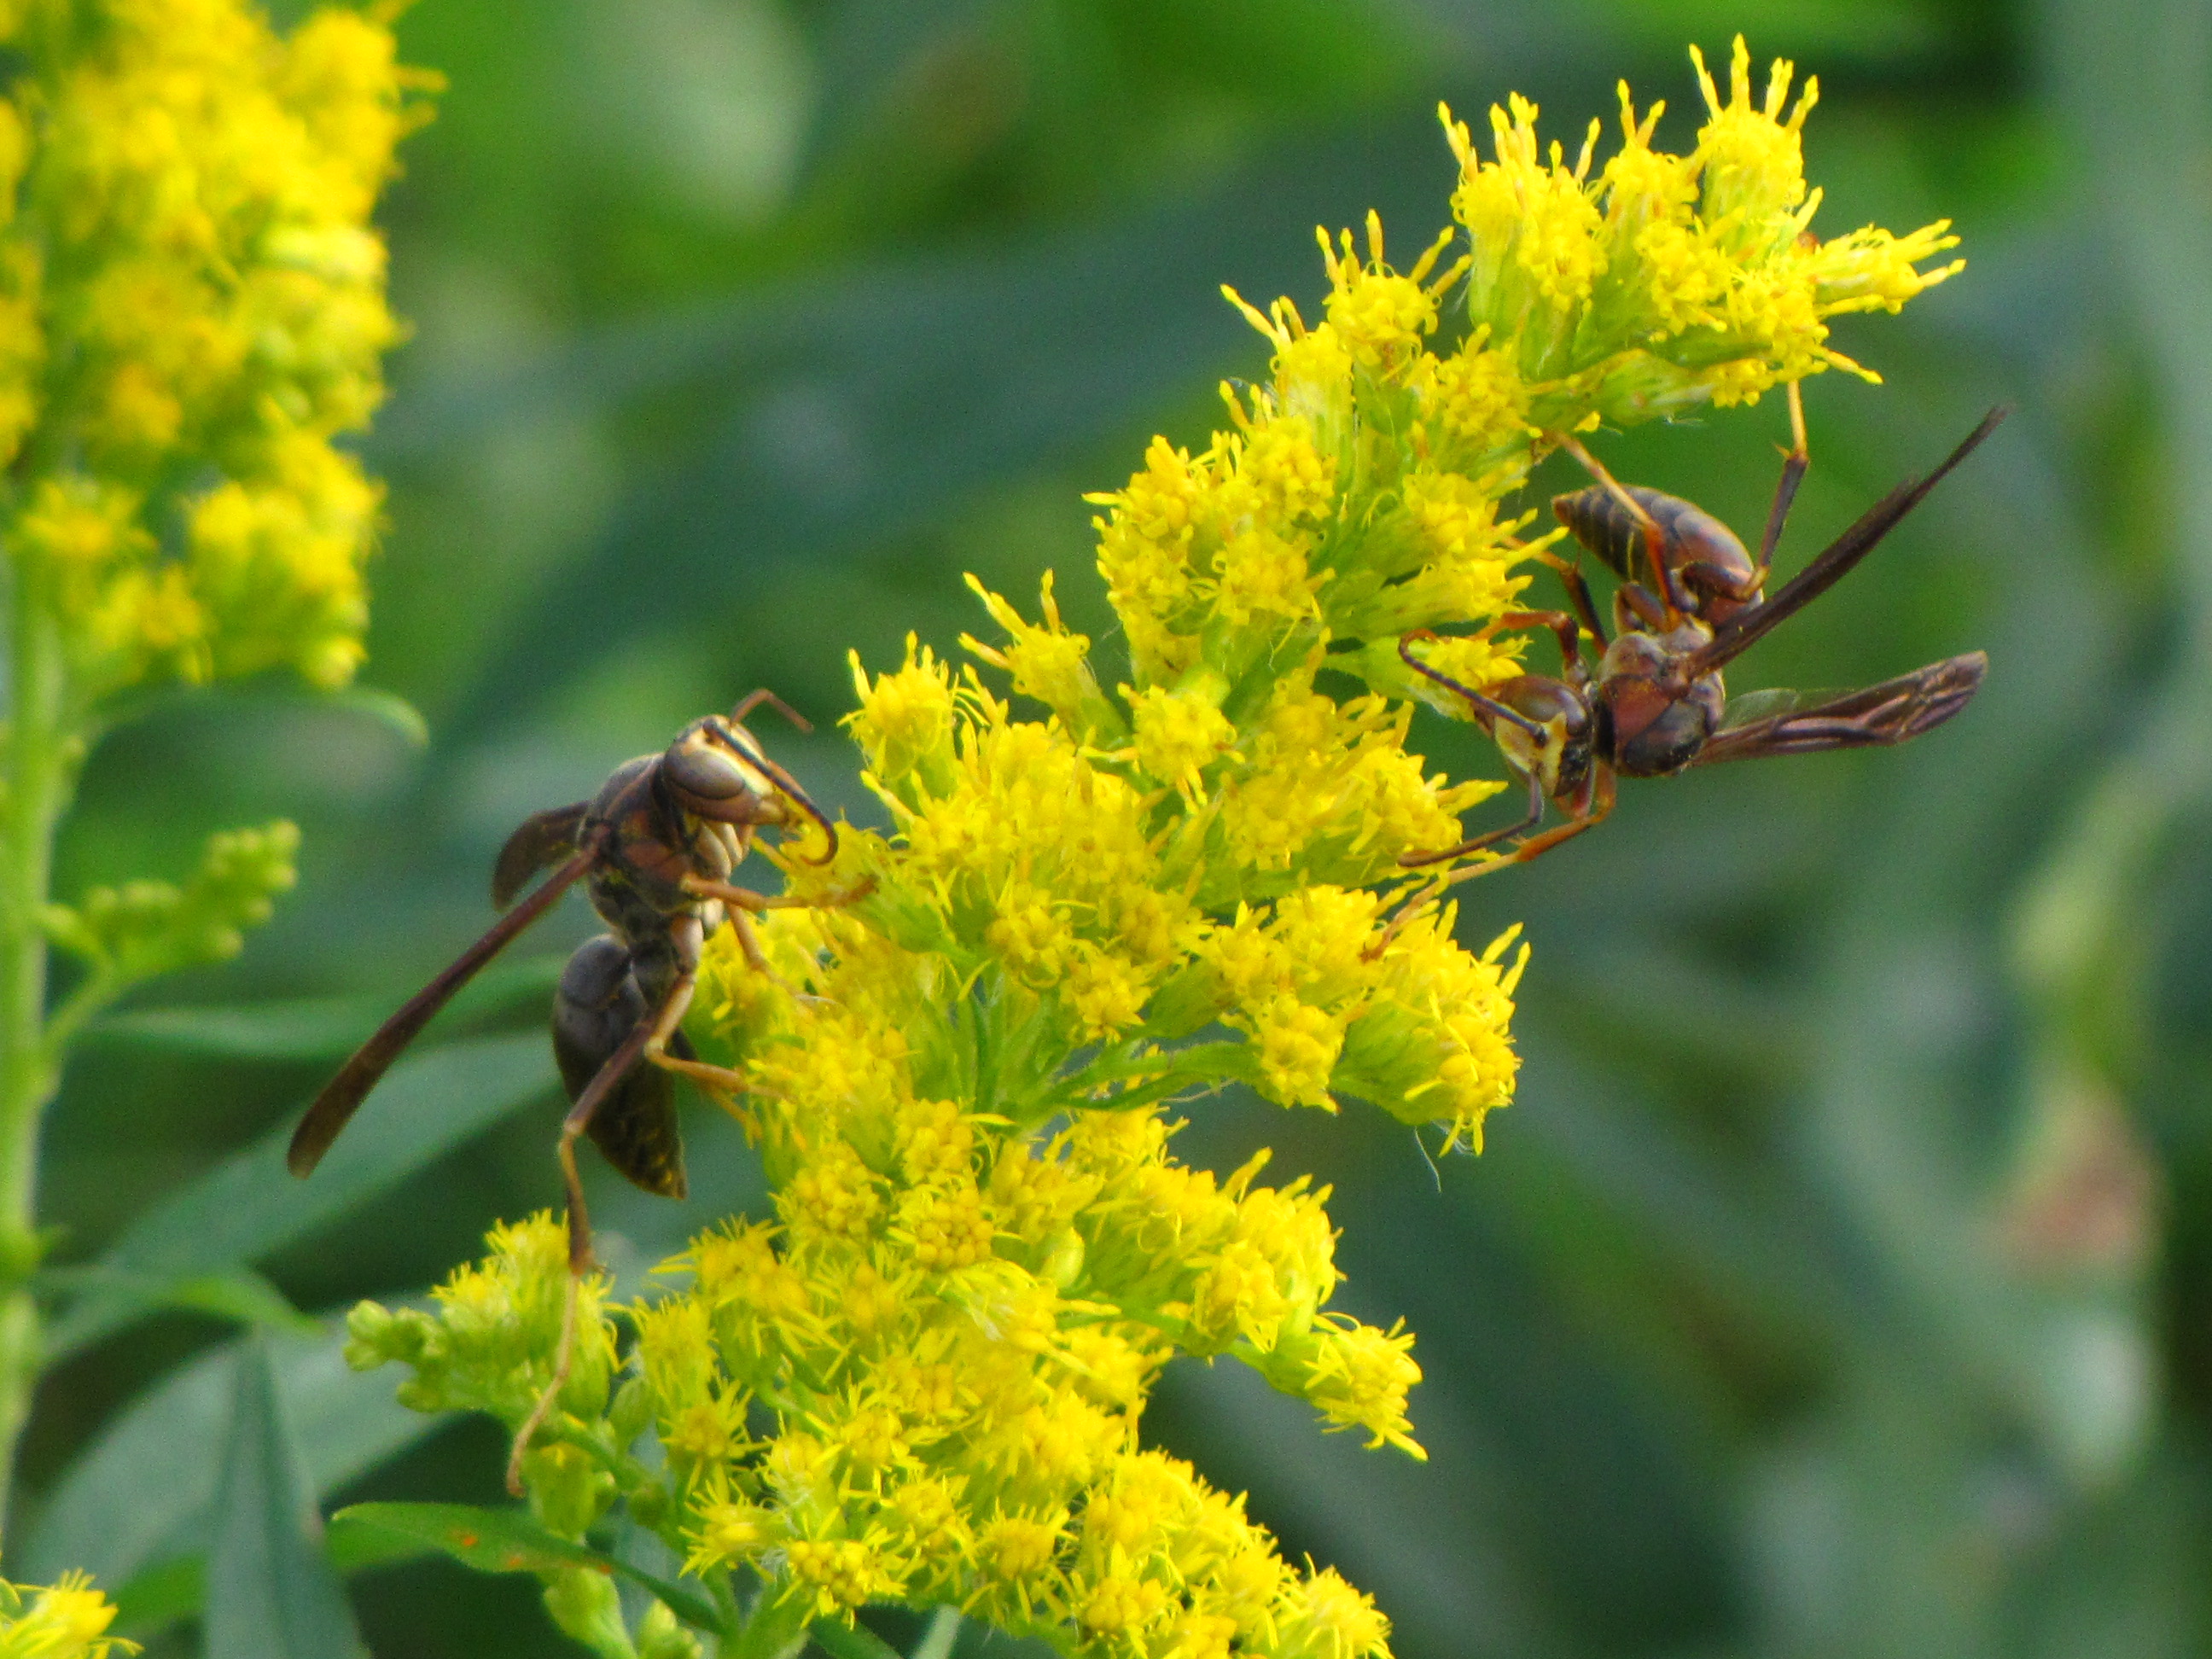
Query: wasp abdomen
[[1710, 561], [599, 1005]]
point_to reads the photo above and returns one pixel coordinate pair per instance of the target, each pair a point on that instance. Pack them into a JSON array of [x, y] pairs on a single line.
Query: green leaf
[[508, 1541], [270, 1592], [484, 1540], [243, 1296], [177, 1588], [309, 1028], [174, 1589], [835, 412], [850, 1641], [313, 1028], [937, 1639], [250, 1206], [142, 1494]]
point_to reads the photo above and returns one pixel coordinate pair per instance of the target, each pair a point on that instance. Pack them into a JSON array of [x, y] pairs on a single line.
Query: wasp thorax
[[1653, 730], [622, 783]]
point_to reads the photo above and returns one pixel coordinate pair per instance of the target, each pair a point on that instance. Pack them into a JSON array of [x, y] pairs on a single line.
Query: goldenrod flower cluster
[[191, 306], [191, 310], [922, 1380], [62, 1622], [1666, 281]]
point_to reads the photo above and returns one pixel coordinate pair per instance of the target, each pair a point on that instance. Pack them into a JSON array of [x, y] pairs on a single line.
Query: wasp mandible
[[1657, 704], [656, 848]]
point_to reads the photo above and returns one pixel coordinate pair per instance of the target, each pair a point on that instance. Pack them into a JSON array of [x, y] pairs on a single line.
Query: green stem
[[98, 987], [39, 764]]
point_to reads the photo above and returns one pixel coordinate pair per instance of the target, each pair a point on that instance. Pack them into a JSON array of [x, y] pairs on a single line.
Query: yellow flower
[[65, 1621], [904, 723], [1325, 1618], [1299, 1046], [185, 229], [1751, 159], [1381, 316], [841, 1573], [1179, 735], [1047, 663]]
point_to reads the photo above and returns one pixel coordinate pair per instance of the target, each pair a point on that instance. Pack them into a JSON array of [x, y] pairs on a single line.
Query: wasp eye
[[694, 767]]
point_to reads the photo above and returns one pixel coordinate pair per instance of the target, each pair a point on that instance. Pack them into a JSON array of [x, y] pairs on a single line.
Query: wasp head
[[1549, 737], [717, 770]]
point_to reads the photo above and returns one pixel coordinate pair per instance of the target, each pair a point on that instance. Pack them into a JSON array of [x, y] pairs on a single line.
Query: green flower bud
[[583, 1604], [632, 1410], [568, 1488], [660, 1637]]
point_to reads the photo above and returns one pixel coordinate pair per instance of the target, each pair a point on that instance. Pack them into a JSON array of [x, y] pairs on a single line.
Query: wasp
[[655, 847], [1655, 704]]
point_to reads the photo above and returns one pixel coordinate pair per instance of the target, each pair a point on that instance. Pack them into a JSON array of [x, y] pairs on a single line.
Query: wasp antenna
[[1489, 706], [789, 784], [765, 695]]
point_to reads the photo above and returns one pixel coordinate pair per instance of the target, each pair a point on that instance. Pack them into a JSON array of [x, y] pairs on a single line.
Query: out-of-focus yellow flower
[[65, 1621], [191, 309]]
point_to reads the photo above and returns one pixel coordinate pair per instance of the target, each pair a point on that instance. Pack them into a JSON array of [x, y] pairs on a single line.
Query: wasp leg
[[744, 901], [1566, 629], [719, 1081], [1795, 460], [1578, 596], [579, 1221], [1489, 837], [1593, 813], [1633, 608], [744, 898]]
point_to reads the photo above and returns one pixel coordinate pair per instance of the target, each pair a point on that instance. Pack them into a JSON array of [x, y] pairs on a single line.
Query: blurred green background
[[1838, 1284]]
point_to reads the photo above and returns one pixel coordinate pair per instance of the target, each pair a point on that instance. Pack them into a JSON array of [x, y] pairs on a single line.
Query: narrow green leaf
[[173, 1589], [177, 1588], [243, 1295], [508, 1541], [307, 1028], [937, 1639], [270, 1592], [357, 1549], [250, 1206], [142, 1494], [385, 709], [925, 381], [313, 1028], [485, 1539]]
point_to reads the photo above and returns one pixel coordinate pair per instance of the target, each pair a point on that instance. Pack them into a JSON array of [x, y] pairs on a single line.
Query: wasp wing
[[1831, 565], [342, 1096], [1890, 712], [1749, 708], [540, 839]]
